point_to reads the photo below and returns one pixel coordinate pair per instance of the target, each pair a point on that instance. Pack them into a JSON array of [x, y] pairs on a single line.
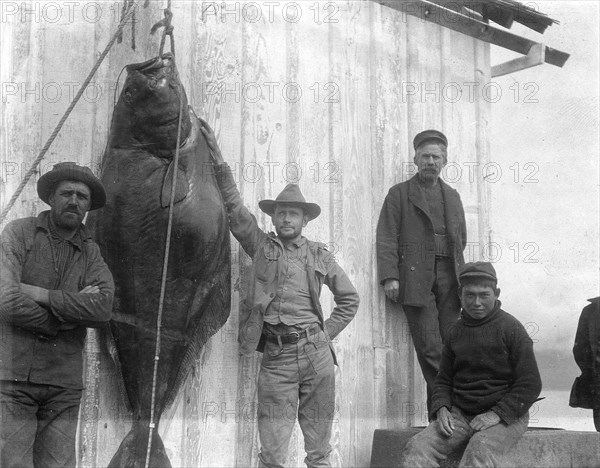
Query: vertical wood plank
[[482, 75], [390, 157], [350, 65]]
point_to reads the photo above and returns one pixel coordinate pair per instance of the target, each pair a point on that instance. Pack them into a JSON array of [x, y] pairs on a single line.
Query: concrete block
[[539, 447]]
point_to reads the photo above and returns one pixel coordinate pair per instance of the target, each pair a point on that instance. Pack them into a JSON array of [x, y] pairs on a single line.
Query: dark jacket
[[264, 249], [45, 345], [405, 238], [586, 388], [488, 364]]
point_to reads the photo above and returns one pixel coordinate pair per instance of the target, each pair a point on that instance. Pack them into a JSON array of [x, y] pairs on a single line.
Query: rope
[[167, 31], [43, 151], [163, 282]]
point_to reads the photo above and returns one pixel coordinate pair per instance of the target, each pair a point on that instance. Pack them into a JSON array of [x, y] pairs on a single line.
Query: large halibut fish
[[137, 171]]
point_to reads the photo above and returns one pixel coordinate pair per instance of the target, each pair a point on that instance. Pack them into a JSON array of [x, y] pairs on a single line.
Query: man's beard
[[67, 219], [429, 174], [288, 234]]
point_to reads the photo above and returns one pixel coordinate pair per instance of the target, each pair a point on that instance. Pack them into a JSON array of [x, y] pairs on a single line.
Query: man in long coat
[[585, 392], [421, 236]]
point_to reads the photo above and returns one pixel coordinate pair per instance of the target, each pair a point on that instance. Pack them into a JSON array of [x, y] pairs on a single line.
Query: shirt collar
[[300, 242], [297, 244]]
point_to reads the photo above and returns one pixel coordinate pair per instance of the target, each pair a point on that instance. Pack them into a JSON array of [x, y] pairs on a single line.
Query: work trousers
[[296, 380], [429, 325], [483, 448], [38, 424]]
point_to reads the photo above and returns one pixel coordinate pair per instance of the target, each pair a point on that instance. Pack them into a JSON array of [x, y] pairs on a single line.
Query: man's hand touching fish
[[211, 140]]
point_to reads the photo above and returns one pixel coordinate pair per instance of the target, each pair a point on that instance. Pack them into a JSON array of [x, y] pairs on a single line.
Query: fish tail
[[133, 449]]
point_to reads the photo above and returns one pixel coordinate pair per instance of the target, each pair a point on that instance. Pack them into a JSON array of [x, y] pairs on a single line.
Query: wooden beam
[[534, 57], [428, 11]]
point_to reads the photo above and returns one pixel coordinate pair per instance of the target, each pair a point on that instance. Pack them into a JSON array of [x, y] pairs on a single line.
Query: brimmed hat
[[291, 195], [71, 171], [483, 270], [429, 135]]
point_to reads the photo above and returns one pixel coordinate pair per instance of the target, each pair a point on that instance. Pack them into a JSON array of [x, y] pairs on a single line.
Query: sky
[[545, 207]]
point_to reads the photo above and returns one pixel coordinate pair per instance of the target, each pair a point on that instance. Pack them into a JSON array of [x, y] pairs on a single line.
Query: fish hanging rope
[[163, 283], [42, 153], [166, 22], [168, 31]]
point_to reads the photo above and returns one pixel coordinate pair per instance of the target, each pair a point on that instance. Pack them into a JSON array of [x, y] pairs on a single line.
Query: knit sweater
[[488, 364]]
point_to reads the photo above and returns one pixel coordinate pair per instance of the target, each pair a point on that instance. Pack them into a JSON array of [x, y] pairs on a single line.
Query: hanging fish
[[137, 172]]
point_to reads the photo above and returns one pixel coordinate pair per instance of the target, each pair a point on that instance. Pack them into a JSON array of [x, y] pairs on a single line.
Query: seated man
[[488, 380]]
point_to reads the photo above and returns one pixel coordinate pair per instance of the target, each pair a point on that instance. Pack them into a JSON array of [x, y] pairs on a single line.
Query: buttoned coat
[[406, 243]]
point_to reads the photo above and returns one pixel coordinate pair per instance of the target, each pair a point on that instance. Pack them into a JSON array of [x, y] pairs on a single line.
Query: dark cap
[[291, 195], [483, 270], [71, 171], [429, 135]]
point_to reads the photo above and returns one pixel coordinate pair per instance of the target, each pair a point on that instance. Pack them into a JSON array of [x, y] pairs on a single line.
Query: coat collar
[[417, 198]]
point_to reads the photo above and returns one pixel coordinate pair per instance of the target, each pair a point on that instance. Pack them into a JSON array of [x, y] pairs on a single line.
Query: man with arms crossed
[[53, 284], [283, 318]]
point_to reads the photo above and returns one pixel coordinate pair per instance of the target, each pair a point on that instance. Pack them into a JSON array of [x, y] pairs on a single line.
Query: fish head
[[147, 112]]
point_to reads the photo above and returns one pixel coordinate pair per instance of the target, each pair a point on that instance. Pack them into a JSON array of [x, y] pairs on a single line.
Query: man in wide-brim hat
[[284, 320], [53, 284]]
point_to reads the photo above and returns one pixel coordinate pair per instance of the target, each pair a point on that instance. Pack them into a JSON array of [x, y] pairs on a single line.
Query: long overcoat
[[405, 239], [585, 392]]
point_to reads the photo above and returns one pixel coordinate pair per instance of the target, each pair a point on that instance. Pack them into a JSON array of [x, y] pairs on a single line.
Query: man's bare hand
[[37, 294], [445, 421], [90, 290], [392, 289], [484, 420], [211, 140]]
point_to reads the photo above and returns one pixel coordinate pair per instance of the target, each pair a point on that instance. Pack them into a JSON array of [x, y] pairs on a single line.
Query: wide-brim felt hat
[[428, 135], [71, 171], [291, 195]]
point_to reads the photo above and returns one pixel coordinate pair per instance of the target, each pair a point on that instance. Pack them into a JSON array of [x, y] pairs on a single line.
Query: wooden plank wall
[[325, 94]]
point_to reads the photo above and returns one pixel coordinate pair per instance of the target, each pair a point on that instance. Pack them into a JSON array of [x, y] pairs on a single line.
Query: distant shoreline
[[557, 368]]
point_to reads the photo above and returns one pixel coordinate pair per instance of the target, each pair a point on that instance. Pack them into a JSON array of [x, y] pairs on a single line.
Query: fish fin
[[132, 451], [181, 189], [113, 351], [215, 303]]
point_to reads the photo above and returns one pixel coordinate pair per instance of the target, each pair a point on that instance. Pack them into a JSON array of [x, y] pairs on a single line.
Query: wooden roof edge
[[451, 19], [504, 12]]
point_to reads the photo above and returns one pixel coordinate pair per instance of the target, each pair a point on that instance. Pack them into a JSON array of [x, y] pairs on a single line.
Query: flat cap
[[483, 270], [429, 135]]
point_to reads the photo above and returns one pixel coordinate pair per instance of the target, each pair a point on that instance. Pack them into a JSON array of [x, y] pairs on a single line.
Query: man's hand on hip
[[392, 289]]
